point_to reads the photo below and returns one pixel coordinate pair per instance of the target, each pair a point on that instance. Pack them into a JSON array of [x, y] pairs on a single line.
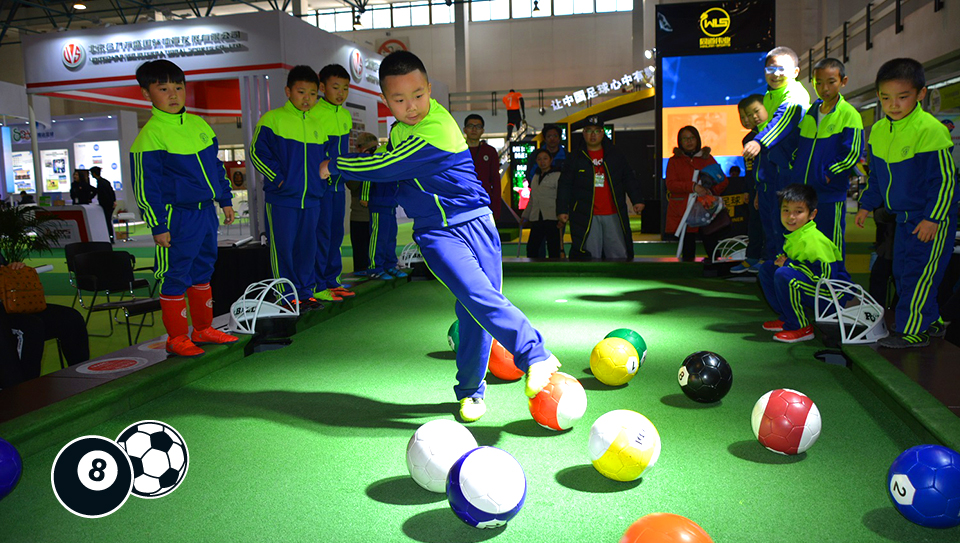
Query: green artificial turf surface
[[307, 443]]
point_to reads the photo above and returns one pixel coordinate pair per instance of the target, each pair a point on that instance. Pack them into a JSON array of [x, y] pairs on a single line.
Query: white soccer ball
[[159, 457], [433, 449]]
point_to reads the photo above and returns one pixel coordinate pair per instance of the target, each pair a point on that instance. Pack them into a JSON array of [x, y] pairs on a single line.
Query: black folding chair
[[111, 274], [70, 252]]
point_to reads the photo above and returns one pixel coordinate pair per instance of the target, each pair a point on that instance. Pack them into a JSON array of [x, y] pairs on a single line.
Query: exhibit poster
[[105, 154], [53, 170]]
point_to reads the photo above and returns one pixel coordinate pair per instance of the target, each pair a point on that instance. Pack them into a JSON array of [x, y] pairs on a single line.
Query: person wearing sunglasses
[[776, 141]]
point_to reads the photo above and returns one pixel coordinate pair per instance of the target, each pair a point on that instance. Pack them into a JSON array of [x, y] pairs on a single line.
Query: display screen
[[54, 166], [105, 154], [703, 92], [521, 160], [22, 166]]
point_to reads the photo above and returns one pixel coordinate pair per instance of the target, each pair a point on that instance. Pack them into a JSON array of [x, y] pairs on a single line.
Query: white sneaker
[[471, 409], [539, 375]]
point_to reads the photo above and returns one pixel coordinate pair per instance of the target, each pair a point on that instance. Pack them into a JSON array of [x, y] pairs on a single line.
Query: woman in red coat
[[688, 157]]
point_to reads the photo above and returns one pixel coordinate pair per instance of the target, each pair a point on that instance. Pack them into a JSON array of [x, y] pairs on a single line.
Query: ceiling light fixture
[[79, 5]]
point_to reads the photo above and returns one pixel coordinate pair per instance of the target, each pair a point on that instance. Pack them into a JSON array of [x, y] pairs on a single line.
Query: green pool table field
[[308, 442]]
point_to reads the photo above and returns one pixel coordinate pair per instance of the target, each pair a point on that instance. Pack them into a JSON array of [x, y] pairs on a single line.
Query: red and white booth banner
[[209, 98]]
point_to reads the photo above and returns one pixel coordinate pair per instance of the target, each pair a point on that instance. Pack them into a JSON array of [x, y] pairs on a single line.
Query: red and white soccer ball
[[433, 449], [786, 421], [560, 404]]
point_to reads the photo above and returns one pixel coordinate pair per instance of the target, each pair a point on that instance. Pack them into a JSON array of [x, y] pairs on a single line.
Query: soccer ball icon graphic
[[159, 457]]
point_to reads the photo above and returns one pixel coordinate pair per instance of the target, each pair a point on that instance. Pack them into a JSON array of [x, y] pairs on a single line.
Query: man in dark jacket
[[592, 197], [106, 197]]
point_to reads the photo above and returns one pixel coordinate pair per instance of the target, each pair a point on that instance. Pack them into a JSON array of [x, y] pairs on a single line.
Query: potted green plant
[[25, 230]]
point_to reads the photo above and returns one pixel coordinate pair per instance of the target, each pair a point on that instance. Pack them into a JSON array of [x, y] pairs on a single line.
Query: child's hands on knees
[[780, 261]]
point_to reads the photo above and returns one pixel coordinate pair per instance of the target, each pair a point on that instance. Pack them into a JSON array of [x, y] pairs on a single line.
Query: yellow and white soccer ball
[[623, 444], [614, 361]]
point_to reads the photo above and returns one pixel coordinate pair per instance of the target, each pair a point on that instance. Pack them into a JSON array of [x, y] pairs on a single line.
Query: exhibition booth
[[236, 66]]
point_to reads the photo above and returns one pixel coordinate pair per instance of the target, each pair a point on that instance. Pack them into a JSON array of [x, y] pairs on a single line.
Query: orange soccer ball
[[501, 363]]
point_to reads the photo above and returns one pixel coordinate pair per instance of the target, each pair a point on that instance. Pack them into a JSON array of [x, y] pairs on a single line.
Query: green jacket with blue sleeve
[[813, 254], [828, 150], [911, 168], [781, 118], [174, 164], [438, 182], [288, 147], [337, 123]]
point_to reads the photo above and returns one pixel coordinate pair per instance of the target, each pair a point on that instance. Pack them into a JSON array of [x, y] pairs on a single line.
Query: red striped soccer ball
[[560, 404], [786, 421]]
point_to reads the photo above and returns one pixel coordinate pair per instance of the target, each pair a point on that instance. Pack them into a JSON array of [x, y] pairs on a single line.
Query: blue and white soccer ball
[[924, 484], [159, 457], [486, 487]]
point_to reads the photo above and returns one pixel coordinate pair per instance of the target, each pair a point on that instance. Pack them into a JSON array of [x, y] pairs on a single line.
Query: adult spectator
[[513, 101], [541, 210], [26, 198], [367, 143], [689, 157], [485, 161], [56, 321], [550, 140], [591, 196], [80, 190], [106, 197]]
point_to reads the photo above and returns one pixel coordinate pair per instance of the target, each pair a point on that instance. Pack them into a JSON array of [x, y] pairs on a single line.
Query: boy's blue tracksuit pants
[[466, 258]]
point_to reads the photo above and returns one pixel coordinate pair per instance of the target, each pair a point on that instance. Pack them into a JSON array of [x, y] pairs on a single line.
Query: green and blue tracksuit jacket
[[337, 123], [813, 254], [911, 168], [438, 182], [288, 147], [778, 136], [174, 163], [827, 152], [379, 195]]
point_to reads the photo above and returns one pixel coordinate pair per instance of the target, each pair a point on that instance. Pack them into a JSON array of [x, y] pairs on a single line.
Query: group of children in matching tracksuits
[[301, 150], [802, 157]]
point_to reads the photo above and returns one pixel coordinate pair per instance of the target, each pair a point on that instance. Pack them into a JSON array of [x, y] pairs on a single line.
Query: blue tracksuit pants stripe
[[773, 230], [788, 292], [383, 238], [832, 221], [192, 253], [329, 263], [918, 269], [466, 258], [292, 248]]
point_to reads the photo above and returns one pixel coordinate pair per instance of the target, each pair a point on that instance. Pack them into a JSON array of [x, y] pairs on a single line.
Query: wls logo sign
[[73, 55], [93, 476]]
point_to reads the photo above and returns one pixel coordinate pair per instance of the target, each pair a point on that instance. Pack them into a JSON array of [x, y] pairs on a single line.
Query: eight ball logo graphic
[[92, 476], [159, 457]]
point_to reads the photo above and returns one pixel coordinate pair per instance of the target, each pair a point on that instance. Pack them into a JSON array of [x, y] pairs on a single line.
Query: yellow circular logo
[[715, 22]]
